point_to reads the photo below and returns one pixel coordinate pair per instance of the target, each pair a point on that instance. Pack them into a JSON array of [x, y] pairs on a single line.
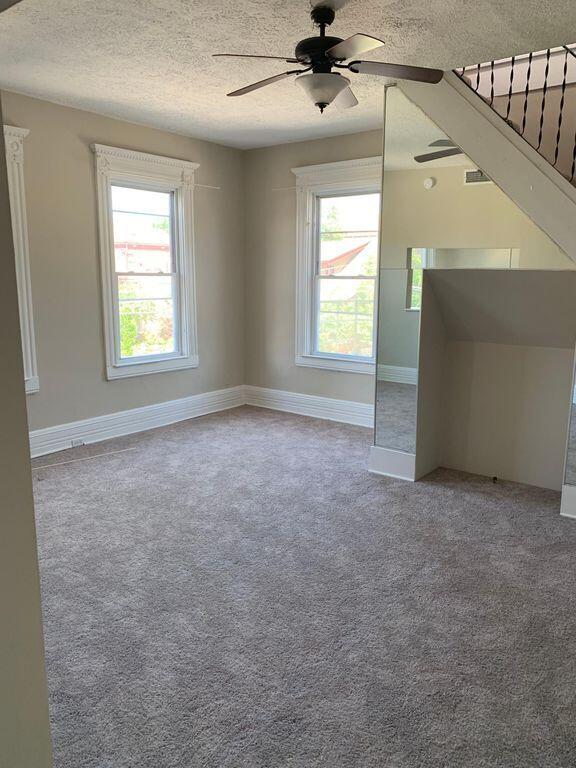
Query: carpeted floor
[[238, 592]]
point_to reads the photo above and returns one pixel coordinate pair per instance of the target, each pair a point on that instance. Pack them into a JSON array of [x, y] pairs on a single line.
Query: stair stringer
[[524, 175]]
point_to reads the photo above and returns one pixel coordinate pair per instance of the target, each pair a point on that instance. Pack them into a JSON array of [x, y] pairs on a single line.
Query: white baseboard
[[568, 501], [398, 374], [346, 411], [93, 430], [384, 461], [60, 437]]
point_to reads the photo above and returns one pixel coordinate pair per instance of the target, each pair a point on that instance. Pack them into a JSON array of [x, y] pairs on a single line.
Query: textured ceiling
[[150, 61], [409, 132]]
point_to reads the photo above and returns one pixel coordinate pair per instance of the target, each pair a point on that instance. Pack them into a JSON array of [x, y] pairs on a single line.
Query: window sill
[[126, 370], [340, 364]]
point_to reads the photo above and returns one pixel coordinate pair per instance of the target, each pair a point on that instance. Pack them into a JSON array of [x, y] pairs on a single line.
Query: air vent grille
[[476, 176]]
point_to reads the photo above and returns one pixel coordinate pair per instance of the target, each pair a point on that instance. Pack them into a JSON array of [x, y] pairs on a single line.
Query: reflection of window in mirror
[[417, 260]]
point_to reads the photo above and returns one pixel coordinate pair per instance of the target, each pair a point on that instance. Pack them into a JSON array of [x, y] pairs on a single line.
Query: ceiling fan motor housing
[[312, 51]]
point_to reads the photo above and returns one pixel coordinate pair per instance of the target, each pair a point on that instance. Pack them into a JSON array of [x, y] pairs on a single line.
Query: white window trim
[[345, 177], [165, 174], [14, 142]]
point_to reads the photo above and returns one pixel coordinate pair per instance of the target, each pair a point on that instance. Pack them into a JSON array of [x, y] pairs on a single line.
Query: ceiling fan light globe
[[323, 87]]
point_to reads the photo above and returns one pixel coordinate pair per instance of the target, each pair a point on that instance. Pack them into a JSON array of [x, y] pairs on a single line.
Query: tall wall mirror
[[570, 469], [439, 211]]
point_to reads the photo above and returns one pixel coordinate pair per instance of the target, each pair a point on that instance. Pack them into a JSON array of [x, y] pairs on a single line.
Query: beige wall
[[246, 245], [449, 215], [61, 205], [24, 729], [507, 411], [271, 267]]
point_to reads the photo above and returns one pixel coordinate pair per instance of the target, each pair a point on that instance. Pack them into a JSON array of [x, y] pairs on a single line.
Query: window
[[345, 263], [418, 260], [145, 212], [338, 224], [14, 142]]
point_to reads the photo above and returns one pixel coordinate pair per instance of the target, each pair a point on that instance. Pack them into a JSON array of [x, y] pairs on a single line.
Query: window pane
[[349, 234], [415, 277], [152, 287], [416, 258], [142, 237], [146, 327], [346, 317], [416, 292], [140, 200]]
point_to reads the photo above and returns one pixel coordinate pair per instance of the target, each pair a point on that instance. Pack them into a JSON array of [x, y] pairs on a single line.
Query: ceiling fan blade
[[255, 56], [443, 143], [345, 99], [5, 4], [438, 155], [261, 84], [400, 71], [353, 46]]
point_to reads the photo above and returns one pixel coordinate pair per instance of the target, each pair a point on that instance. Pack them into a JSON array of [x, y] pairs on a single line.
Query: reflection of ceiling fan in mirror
[[321, 54], [450, 149]]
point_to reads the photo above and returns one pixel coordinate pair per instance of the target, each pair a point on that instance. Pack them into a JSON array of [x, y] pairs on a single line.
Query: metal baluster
[[526, 92], [477, 78], [573, 170], [543, 104], [558, 132], [491, 83], [512, 60]]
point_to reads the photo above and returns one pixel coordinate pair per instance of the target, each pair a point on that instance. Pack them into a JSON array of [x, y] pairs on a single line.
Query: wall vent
[[476, 176]]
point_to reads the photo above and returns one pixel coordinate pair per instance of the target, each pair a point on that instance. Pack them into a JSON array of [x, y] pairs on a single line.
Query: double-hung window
[[146, 245], [338, 238]]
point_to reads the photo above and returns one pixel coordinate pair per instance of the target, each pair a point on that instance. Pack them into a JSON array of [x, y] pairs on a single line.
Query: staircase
[[535, 94]]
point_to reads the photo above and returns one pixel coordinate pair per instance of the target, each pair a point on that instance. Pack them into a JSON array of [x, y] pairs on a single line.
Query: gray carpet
[[238, 592], [396, 416]]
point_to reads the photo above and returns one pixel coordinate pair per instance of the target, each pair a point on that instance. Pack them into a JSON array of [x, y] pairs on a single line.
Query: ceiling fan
[[319, 55], [449, 150]]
